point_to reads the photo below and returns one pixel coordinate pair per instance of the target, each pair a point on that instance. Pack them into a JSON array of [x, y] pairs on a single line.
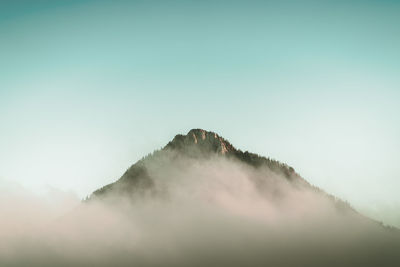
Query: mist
[[200, 212]]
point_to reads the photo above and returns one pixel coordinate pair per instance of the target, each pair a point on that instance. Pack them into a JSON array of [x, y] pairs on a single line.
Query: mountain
[[199, 201], [199, 145], [196, 144]]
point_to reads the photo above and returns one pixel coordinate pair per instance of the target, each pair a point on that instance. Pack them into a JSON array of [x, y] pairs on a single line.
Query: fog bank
[[209, 212]]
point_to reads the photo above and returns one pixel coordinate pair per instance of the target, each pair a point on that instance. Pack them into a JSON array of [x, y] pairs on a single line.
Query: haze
[[202, 211]]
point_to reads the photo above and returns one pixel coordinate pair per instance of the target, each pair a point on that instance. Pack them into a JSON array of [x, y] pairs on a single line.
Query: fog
[[208, 212]]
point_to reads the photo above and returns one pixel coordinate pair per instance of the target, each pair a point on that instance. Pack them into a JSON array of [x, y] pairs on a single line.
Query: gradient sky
[[89, 87]]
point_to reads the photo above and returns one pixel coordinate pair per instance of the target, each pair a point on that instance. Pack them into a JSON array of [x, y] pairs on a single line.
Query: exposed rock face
[[201, 140]]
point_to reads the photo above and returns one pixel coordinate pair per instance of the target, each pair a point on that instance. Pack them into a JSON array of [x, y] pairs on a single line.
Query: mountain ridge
[[200, 143]]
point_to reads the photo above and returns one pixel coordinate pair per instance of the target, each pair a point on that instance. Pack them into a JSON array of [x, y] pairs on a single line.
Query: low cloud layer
[[210, 212]]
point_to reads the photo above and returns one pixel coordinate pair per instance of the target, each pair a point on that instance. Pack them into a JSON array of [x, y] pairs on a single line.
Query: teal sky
[[89, 87]]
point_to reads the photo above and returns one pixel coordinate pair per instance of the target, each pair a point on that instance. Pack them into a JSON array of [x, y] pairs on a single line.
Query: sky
[[89, 87]]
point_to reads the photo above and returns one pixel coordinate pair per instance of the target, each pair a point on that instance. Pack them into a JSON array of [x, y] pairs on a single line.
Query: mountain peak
[[201, 140], [196, 144]]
